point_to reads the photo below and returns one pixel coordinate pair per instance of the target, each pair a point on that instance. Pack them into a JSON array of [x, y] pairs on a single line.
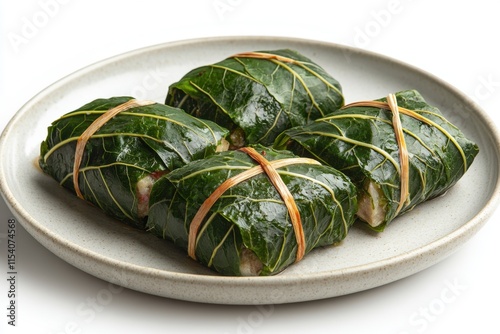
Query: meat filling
[[250, 265], [371, 206], [143, 191]]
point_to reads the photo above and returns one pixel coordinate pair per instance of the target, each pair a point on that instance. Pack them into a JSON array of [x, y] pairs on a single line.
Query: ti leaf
[[360, 141], [257, 95], [249, 226], [139, 144]]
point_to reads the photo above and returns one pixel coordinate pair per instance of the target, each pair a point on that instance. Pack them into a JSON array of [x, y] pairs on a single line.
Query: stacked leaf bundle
[[258, 95], [117, 164], [255, 210], [394, 168], [248, 228]]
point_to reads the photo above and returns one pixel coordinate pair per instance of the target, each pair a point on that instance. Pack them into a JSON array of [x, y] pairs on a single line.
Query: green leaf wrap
[[258, 98], [360, 141], [249, 225], [140, 142]]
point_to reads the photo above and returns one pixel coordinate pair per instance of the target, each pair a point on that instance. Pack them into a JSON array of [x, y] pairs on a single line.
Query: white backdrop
[[44, 40]]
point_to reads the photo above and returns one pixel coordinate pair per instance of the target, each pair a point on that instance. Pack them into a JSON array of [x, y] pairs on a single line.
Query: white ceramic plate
[[86, 238]]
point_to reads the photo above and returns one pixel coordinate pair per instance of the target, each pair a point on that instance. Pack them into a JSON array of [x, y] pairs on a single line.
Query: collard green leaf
[[257, 95], [360, 141], [137, 144], [250, 222]]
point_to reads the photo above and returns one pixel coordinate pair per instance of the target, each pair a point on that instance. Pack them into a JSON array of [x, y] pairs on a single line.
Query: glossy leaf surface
[[139, 142], [251, 215], [257, 95], [360, 141]]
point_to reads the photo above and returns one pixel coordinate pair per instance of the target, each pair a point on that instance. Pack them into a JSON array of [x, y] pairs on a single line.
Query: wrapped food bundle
[[252, 211], [111, 151], [257, 95], [300, 169], [399, 152]]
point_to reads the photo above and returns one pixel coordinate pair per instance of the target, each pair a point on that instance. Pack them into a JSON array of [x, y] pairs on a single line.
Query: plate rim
[[44, 235]]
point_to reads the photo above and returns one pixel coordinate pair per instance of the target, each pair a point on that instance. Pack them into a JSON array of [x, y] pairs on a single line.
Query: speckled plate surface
[[86, 238]]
